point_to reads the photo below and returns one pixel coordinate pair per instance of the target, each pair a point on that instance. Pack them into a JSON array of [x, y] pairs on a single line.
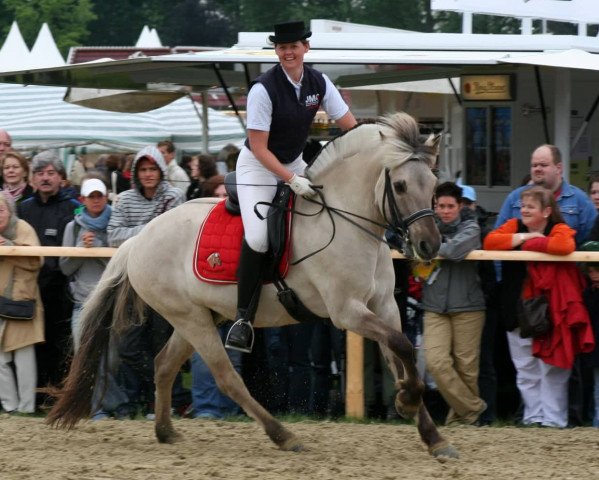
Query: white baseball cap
[[92, 185]]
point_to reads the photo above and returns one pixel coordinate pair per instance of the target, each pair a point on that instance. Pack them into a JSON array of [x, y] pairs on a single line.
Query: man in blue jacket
[[546, 170]]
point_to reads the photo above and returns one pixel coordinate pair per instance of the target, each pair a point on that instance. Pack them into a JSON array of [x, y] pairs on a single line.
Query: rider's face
[[291, 55]]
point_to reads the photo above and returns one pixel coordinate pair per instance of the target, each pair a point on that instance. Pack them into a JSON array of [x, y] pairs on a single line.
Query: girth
[[276, 238]]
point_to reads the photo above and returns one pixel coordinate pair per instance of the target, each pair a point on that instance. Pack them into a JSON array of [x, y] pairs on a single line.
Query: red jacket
[[572, 334]]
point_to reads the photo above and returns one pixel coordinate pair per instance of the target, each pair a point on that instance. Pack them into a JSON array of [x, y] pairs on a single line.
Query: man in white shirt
[[175, 175]]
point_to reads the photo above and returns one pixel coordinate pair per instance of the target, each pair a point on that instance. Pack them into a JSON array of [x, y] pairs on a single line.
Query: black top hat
[[289, 32]]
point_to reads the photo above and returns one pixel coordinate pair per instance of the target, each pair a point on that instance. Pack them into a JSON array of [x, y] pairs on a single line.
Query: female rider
[[281, 106]]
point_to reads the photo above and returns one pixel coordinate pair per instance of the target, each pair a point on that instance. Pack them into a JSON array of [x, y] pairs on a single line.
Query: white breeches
[[257, 184], [18, 394], [543, 387]]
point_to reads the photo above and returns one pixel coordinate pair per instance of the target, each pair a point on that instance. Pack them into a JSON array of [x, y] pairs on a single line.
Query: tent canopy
[[37, 117], [204, 70]]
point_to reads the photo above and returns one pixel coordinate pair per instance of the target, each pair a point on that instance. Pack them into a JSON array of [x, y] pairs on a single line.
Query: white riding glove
[[301, 186]]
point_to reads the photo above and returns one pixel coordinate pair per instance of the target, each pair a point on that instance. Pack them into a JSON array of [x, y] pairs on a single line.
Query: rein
[[397, 224]]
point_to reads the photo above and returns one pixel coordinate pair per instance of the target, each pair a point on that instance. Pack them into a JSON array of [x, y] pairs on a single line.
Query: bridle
[[396, 224]]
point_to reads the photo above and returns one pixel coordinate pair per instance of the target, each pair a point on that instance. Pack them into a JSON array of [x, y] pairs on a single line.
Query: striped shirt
[[133, 211]]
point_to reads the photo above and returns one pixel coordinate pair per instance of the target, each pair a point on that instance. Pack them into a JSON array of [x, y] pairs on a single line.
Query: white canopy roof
[[577, 59]]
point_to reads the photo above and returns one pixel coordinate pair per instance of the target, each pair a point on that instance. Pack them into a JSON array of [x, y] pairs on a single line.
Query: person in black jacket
[[48, 211]]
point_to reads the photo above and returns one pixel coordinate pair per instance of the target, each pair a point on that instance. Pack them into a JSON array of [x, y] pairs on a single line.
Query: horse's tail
[[111, 307]]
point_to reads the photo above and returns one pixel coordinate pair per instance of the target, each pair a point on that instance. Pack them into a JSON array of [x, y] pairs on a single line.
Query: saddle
[[219, 240]]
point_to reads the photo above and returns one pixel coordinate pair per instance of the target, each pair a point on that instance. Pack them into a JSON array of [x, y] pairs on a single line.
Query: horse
[[372, 172]]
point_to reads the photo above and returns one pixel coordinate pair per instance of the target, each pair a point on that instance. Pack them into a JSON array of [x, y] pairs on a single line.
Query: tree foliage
[[67, 19], [216, 22]]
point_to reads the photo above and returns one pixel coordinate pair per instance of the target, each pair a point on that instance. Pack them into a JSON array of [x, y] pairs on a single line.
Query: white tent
[[14, 52], [37, 118], [44, 52]]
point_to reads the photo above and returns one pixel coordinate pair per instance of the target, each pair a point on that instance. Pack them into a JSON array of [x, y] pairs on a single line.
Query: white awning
[[442, 86], [574, 58]]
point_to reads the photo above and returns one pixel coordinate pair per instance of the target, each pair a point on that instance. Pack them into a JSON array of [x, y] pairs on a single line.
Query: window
[[488, 145]]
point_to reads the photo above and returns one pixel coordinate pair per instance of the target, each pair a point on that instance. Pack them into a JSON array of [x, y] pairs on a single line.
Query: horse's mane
[[397, 135]]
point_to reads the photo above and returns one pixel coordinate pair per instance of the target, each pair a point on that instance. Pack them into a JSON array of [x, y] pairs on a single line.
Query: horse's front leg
[[401, 359], [399, 352]]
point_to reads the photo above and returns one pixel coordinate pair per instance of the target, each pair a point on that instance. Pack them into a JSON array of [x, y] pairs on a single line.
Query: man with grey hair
[[48, 211]]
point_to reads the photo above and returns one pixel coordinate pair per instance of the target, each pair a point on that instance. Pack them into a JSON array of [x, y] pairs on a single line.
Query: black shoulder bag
[[534, 317], [15, 309]]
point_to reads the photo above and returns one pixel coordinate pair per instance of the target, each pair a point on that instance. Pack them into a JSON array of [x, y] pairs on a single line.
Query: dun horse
[[370, 171]]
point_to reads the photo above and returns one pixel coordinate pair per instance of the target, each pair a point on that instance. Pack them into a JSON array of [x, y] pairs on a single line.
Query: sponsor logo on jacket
[[313, 101]]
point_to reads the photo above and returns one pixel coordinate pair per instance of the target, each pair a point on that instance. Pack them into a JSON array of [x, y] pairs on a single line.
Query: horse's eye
[[400, 186]]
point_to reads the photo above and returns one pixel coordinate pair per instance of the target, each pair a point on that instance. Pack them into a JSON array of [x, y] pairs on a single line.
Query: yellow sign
[[487, 87]]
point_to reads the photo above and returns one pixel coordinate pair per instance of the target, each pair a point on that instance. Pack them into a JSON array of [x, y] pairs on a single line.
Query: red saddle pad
[[218, 247]]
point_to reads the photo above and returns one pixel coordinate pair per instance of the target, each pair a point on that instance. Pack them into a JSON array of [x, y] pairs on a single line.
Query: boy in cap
[[88, 229]]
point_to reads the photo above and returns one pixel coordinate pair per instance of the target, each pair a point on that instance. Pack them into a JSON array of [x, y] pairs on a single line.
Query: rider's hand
[[301, 186]]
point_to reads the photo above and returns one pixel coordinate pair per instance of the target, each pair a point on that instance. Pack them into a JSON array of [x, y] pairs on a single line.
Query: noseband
[[396, 223]]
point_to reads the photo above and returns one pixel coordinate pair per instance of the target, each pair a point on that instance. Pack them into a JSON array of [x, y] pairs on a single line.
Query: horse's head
[[407, 183]]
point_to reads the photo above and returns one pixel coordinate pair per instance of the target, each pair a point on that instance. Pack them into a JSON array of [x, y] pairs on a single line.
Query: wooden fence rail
[[354, 402]]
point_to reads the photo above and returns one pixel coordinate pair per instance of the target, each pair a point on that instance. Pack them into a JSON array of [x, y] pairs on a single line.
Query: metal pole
[[203, 118], [542, 100]]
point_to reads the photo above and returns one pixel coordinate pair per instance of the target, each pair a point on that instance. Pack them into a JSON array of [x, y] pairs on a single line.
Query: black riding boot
[[249, 277]]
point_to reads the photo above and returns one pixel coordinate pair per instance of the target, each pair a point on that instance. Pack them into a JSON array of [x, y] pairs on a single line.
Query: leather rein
[[395, 222]]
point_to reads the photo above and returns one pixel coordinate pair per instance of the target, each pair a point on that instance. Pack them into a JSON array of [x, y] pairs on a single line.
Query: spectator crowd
[[462, 316]]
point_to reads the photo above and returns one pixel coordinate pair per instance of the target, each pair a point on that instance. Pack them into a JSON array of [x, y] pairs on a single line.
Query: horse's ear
[[434, 141]]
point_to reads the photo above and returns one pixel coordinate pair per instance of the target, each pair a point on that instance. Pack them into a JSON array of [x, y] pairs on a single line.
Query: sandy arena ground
[[127, 450]]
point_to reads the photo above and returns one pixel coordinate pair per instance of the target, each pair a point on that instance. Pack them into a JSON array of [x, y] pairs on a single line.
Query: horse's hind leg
[[206, 340], [166, 366]]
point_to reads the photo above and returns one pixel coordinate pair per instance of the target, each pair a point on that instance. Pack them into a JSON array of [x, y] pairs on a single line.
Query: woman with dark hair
[[543, 364], [201, 167], [214, 187], [454, 310], [593, 189]]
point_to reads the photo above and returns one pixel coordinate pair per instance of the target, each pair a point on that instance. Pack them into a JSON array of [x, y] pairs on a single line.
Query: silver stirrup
[[234, 347]]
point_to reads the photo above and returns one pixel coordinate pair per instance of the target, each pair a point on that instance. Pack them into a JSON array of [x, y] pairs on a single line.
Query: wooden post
[[354, 396]]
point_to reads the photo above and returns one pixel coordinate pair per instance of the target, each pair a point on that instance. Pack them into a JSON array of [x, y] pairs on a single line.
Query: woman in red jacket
[[543, 364]]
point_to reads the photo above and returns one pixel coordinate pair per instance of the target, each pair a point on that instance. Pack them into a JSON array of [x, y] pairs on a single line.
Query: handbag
[[16, 309], [534, 318]]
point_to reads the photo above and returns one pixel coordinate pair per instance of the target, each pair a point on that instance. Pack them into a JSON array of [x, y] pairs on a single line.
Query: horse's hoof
[[168, 436], [443, 451], [293, 444]]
